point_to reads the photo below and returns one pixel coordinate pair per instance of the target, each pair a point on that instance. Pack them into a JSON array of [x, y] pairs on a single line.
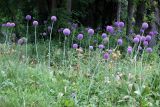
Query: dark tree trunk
[[53, 6], [69, 6], [130, 13], [119, 10], [140, 12]]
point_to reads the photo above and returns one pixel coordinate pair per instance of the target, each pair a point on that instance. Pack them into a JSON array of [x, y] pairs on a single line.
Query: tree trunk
[[119, 10], [140, 12], [69, 6], [130, 15], [53, 7]]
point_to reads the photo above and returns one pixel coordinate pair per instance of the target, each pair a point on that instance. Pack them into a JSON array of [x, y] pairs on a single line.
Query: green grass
[[113, 83]]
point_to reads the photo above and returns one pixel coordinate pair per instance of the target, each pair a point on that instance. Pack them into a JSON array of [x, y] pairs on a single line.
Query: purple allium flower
[[75, 46], [110, 51], [91, 47], [101, 46], [138, 36], [143, 38], [144, 25], [155, 32], [35, 23], [139, 48], [22, 41], [121, 24], [119, 41], [28, 17], [8, 24], [129, 50], [142, 30], [12, 24], [110, 29], [53, 18], [90, 32], [66, 32], [104, 35], [136, 40], [80, 36], [149, 50], [44, 33], [151, 33], [49, 28], [60, 30], [106, 56], [116, 24], [145, 43], [148, 38]]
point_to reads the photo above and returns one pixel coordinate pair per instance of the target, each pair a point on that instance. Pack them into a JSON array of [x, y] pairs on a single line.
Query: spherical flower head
[[22, 41], [149, 50], [110, 29], [155, 32], [90, 32], [116, 24], [129, 50], [8, 24], [142, 30], [53, 18], [101, 46], [138, 36], [145, 43], [75, 46], [136, 40], [151, 33], [144, 25], [106, 56], [119, 41], [66, 32], [110, 51], [80, 36], [121, 24], [143, 38], [12, 24], [139, 48], [104, 35], [49, 28], [35, 23], [28, 17], [44, 33], [148, 38], [91, 47]]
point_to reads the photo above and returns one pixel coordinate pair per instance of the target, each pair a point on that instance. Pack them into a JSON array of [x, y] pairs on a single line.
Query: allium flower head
[[110, 51], [148, 38], [145, 43], [12, 24], [106, 56], [8, 24], [53, 18], [155, 32], [66, 32], [149, 50], [129, 50], [144, 25], [104, 35], [35, 23], [151, 33], [75, 46], [116, 24], [101, 46], [136, 40], [44, 33], [121, 24], [90, 32], [143, 38], [80, 36], [28, 17], [110, 29], [91, 47], [139, 48], [49, 28], [142, 30], [119, 41]]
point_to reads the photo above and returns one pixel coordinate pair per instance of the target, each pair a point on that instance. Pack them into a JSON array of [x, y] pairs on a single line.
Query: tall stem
[[36, 43], [50, 38], [27, 42]]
